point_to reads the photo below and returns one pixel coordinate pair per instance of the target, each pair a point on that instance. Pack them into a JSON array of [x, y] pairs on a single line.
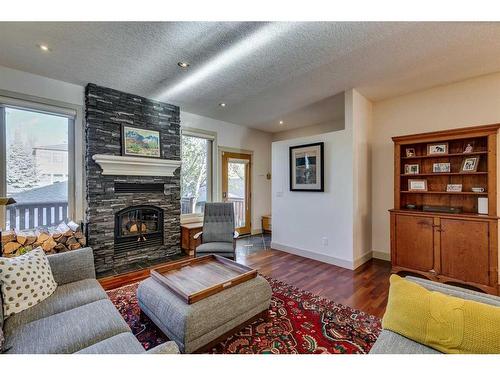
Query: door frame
[[238, 154]]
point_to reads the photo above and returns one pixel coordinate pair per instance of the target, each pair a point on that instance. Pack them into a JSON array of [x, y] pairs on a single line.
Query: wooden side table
[[188, 243]]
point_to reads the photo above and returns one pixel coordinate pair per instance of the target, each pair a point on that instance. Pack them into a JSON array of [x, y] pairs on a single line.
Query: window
[[196, 172], [34, 166]]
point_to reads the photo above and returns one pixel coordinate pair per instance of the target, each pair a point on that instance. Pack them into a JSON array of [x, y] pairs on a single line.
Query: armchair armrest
[[236, 234], [197, 235], [169, 347], [72, 266]]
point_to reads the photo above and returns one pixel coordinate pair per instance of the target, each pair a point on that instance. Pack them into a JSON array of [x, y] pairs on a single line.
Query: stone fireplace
[[133, 205]]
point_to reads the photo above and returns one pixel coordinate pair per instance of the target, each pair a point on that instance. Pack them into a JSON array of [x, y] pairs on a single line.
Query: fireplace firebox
[[137, 227]]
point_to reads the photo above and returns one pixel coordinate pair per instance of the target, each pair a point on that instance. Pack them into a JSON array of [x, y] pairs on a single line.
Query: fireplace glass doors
[[138, 226]]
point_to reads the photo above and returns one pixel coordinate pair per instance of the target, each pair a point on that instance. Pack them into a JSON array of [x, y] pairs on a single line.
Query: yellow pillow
[[445, 323]]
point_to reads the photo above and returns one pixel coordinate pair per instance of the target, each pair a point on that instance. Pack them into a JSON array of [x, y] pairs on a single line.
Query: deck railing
[[239, 209], [28, 216]]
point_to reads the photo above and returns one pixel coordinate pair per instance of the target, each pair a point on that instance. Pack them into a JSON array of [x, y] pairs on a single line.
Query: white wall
[[242, 138], [307, 131], [467, 103], [358, 117], [341, 214], [43, 87], [300, 219]]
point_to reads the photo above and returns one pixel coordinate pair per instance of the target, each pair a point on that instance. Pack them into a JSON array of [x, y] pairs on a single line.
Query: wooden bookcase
[[459, 247]]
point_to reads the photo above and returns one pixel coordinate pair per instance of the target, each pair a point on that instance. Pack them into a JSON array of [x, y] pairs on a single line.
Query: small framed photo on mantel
[[307, 167]]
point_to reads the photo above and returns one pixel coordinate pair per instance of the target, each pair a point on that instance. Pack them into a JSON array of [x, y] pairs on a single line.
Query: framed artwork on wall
[[307, 167], [140, 142]]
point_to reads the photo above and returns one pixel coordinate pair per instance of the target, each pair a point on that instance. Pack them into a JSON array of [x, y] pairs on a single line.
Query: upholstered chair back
[[218, 222]]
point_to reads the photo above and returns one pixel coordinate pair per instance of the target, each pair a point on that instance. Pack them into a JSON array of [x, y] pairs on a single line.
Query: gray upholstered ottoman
[[202, 323]]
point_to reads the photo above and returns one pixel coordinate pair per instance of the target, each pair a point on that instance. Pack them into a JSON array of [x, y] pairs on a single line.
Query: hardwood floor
[[365, 289]]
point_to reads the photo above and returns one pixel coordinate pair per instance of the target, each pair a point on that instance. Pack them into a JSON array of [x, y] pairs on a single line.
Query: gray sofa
[[392, 343], [77, 318]]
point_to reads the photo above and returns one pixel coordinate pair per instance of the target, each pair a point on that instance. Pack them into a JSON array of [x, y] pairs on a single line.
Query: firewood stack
[[64, 237]]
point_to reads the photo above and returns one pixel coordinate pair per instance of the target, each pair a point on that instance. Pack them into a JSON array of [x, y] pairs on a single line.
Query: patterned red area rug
[[299, 322]]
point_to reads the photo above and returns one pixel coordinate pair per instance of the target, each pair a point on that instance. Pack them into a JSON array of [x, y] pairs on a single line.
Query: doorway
[[236, 188]]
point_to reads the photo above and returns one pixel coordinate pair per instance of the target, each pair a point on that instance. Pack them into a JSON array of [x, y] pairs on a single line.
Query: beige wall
[[471, 102], [310, 130]]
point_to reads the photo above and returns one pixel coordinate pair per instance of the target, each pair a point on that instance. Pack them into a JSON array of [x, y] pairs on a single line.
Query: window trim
[[211, 162], [76, 145]]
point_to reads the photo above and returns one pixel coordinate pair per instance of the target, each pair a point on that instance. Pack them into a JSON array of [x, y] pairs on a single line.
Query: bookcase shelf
[[440, 234]]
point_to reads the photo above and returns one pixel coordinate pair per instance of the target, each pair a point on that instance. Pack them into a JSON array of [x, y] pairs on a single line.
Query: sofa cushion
[[215, 247], [443, 322], [66, 297], [123, 343], [391, 343], [69, 331], [26, 281]]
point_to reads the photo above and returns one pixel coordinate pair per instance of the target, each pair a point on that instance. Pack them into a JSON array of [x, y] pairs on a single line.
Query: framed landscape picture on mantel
[[307, 167], [140, 142]]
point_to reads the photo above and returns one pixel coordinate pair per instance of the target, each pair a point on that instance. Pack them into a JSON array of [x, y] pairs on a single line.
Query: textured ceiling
[[263, 71]]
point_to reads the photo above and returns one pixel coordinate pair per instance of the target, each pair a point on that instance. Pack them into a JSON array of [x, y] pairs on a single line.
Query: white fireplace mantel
[[135, 166]]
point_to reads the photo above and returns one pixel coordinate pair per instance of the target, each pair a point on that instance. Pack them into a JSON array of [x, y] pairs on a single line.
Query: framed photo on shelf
[[410, 152], [470, 164], [441, 168], [437, 148], [412, 169], [417, 185], [307, 167], [454, 188], [469, 147]]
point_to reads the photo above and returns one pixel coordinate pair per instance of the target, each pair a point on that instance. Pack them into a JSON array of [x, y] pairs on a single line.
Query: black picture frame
[[321, 188], [123, 151]]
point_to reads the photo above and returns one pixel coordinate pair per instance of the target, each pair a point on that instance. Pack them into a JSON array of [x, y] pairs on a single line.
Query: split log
[[65, 229], [42, 235], [8, 236], [74, 226], [49, 245], [83, 241], [78, 234], [62, 239], [71, 241], [75, 246], [55, 233], [60, 248], [11, 247], [29, 237]]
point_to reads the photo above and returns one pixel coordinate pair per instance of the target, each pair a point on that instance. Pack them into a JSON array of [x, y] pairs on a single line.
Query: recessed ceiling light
[[222, 105], [183, 64], [281, 122], [44, 47]]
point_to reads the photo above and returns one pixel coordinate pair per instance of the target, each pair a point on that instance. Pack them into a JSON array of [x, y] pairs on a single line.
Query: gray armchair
[[218, 235]]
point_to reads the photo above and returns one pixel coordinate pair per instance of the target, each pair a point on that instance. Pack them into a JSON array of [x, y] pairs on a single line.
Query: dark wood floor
[[365, 289]]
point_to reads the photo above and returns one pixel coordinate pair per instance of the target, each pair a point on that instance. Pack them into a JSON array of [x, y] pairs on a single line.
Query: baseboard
[[381, 255], [313, 255], [363, 259]]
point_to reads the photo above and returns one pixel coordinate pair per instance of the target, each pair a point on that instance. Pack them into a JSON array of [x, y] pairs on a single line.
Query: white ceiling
[[263, 71]]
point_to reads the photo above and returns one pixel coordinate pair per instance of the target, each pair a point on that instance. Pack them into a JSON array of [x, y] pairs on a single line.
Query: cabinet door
[[414, 242], [465, 250]]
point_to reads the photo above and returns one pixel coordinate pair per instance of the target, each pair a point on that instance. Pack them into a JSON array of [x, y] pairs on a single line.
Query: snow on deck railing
[[28, 216]]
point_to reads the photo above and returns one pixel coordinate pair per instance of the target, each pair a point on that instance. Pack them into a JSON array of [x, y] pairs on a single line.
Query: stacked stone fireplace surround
[[106, 111]]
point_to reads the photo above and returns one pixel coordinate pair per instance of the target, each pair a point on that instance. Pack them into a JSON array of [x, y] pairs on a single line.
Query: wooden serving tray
[[198, 278]]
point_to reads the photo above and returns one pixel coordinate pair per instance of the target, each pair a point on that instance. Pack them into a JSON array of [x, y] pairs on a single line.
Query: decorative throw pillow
[[26, 280]]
